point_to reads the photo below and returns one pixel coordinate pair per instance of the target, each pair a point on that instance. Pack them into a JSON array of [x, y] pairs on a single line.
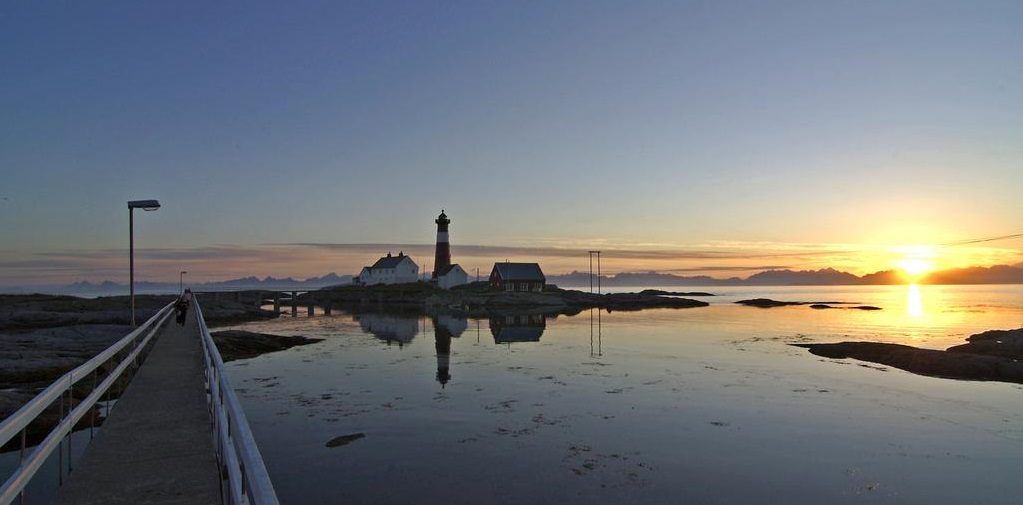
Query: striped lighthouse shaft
[[442, 257]]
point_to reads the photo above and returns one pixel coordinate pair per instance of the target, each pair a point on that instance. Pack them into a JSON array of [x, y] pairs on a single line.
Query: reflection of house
[[389, 328], [518, 328], [389, 270], [452, 276], [517, 277]]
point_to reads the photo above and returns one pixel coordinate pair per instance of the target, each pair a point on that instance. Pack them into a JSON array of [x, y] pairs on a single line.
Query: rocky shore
[[479, 296], [25, 312], [995, 355]]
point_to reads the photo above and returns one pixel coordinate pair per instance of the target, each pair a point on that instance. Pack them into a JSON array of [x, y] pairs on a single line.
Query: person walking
[[181, 306]]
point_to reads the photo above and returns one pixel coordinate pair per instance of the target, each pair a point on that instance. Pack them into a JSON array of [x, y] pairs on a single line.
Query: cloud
[[728, 268], [309, 259], [562, 252]]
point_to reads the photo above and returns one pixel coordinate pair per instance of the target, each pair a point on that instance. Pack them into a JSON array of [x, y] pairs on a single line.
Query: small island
[[767, 303], [995, 355]]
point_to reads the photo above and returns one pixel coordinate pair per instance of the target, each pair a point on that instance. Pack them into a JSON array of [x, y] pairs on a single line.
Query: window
[[509, 286], [524, 286]]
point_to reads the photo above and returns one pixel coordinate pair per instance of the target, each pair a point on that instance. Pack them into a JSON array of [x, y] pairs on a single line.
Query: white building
[[389, 270], [452, 276]]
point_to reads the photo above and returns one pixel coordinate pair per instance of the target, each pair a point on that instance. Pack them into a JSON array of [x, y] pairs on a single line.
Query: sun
[[916, 260], [915, 267]]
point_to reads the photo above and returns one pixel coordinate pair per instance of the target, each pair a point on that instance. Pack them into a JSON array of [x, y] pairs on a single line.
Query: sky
[[300, 138]]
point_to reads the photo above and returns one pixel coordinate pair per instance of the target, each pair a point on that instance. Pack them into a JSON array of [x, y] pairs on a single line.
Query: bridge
[[279, 297], [174, 434]]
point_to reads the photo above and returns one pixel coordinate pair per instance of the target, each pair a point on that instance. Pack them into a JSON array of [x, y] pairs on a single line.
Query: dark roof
[[448, 269], [520, 271], [388, 261]]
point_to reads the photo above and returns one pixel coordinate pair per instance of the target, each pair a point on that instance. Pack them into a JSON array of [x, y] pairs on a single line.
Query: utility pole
[[597, 253]]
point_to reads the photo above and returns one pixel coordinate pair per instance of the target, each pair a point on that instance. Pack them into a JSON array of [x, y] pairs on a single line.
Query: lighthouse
[[442, 258]]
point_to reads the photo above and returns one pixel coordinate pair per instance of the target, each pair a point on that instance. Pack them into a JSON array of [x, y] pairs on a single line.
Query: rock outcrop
[[238, 344], [767, 303], [995, 355]]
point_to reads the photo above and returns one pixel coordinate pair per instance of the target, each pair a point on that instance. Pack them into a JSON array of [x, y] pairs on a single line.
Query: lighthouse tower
[[442, 258]]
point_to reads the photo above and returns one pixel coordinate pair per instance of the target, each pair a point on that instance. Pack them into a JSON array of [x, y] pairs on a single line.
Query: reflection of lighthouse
[[445, 328], [442, 341], [442, 258]]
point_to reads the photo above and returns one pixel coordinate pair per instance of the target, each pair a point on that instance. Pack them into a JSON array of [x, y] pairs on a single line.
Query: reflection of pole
[[599, 328], [591, 332]]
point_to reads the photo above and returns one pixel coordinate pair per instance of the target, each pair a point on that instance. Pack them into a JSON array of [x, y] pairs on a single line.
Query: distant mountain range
[[999, 274], [108, 288]]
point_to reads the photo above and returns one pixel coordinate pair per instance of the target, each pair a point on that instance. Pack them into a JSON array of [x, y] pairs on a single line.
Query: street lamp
[[181, 282], [146, 205]]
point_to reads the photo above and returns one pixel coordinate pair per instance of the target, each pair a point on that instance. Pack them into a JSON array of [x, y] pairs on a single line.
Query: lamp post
[[181, 282], [146, 205]]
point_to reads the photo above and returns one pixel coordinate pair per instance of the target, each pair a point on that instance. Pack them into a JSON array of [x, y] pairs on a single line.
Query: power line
[[980, 240]]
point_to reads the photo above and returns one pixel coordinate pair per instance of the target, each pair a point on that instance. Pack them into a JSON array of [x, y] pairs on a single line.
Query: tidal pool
[[706, 405]]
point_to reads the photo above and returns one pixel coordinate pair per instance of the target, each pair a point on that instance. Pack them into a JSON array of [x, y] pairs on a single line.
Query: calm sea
[[705, 405]]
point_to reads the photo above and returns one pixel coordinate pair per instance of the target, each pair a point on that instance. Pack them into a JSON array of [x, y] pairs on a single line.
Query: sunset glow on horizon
[[302, 261]]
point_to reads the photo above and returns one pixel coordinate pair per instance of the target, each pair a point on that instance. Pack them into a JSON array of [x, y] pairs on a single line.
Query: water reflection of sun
[[914, 302]]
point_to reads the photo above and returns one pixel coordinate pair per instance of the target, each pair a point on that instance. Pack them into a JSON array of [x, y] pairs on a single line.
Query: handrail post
[[92, 415], [21, 463], [60, 449]]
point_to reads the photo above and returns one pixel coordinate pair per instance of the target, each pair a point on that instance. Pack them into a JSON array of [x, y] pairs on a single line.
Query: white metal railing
[[18, 422], [247, 480]]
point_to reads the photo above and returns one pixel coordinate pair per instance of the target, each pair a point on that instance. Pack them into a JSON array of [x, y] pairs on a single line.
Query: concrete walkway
[[155, 448]]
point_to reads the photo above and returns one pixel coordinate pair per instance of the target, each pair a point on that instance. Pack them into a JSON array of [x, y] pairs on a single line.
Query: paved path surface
[[155, 448]]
